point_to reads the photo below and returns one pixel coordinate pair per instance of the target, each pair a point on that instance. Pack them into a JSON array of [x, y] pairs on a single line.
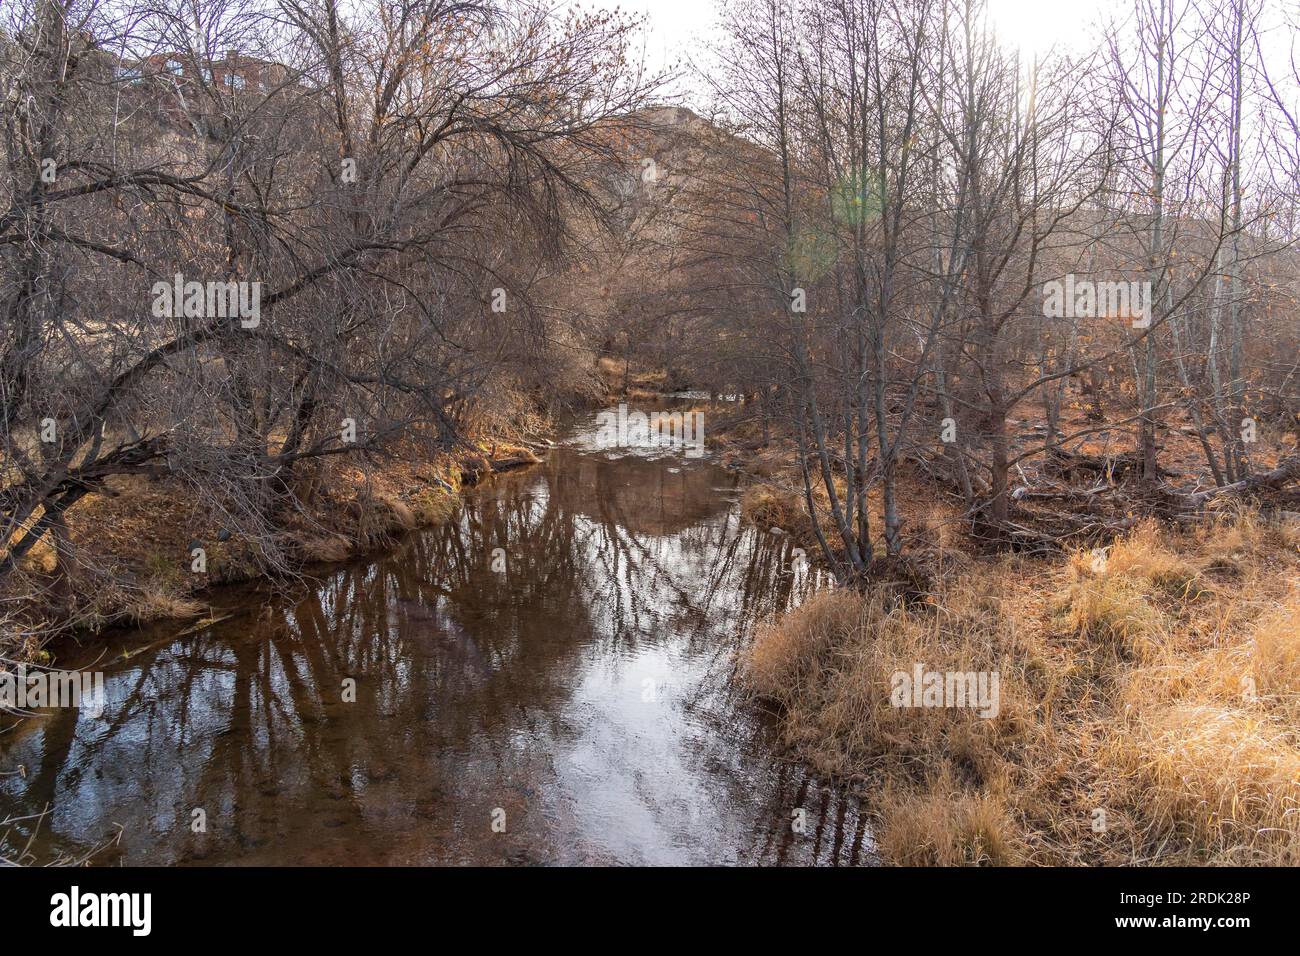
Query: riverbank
[[1144, 688], [134, 557], [1133, 703], [131, 549], [1147, 707]]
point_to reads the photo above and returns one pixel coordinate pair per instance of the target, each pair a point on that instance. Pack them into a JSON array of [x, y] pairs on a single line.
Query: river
[[567, 699]]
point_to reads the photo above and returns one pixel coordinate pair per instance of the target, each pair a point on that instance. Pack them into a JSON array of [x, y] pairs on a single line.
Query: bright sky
[[676, 29], [1035, 26]]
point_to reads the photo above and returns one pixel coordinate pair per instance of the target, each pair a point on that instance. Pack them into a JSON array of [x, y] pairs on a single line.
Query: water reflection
[[577, 694]]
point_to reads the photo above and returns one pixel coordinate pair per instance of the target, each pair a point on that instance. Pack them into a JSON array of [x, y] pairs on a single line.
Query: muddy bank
[[146, 550]]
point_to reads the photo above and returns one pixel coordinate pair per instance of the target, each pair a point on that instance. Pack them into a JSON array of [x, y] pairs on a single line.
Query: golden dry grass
[[945, 825], [770, 506], [1155, 687], [323, 548], [786, 656], [1276, 656], [155, 604], [780, 502]]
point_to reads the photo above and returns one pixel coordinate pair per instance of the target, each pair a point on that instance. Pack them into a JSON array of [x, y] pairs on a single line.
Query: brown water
[[581, 698]]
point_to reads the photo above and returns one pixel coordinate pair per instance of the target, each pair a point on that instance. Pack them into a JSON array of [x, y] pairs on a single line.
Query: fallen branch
[[1286, 472]]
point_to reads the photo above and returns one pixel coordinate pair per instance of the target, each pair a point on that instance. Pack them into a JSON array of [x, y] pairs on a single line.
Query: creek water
[[568, 699]]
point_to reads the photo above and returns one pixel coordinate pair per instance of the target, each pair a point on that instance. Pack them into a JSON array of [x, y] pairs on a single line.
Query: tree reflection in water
[[585, 691]]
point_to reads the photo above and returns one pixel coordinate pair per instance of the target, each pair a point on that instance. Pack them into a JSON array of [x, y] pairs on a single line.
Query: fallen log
[[1056, 493], [478, 470], [1286, 472], [1070, 464]]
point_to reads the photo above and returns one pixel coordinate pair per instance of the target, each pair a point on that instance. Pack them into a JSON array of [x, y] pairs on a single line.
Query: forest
[[1001, 349]]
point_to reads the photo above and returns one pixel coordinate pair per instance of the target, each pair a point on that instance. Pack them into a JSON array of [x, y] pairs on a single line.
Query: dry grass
[[770, 506], [155, 604], [323, 548], [1276, 656], [787, 656], [1156, 686], [1143, 557], [947, 826], [649, 382], [1223, 778]]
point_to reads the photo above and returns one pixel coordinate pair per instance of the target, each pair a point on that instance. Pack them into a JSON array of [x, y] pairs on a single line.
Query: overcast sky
[[676, 30]]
